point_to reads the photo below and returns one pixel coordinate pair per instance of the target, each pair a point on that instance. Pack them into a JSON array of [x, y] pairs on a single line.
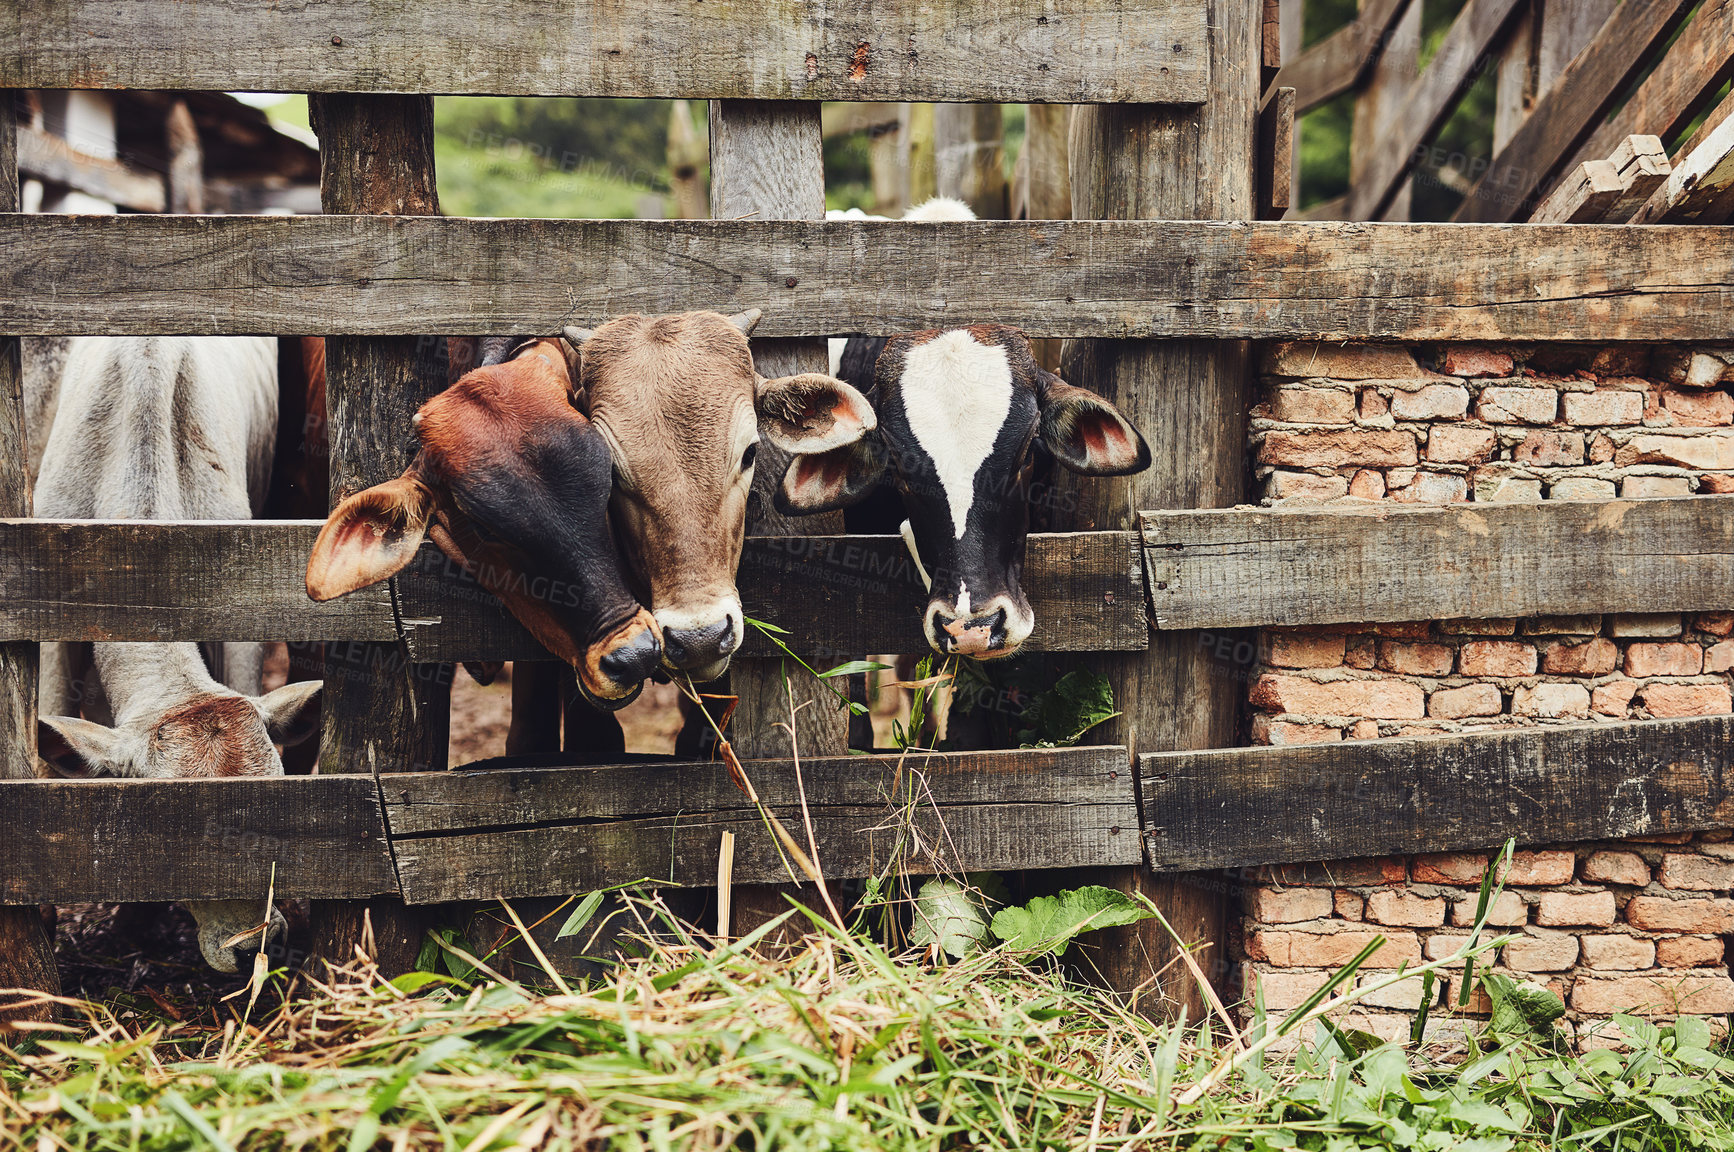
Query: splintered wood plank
[[1584, 197], [1474, 561], [479, 835], [216, 580], [1249, 806], [130, 840], [1011, 51], [354, 275], [1700, 189]]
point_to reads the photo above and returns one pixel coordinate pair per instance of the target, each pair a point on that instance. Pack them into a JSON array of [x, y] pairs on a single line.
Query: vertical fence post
[[26, 952], [767, 163], [1190, 398], [381, 713]]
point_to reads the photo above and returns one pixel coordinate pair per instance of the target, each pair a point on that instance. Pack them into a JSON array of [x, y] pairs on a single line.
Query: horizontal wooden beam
[[838, 596], [1093, 51], [1239, 807], [483, 833], [50, 158], [381, 275], [1341, 60], [81, 841], [541, 832], [1246, 568]]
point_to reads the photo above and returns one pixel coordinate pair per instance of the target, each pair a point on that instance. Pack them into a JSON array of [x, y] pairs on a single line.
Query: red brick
[[1551, 700], [1664, 660], [1379, 448], [1501, 405], [1363, 730], [1544, 449], [1581, 488], [1432, 488], [1648, 625], [1315, 406], [1287, 905], [1719, 657], [1460, 444], [1557, 625], [1604, 406], [1415, 659], [1666, 995], [1378, 699], [1468, 361], [1706, 917], [1595, 657], [1618, 953], [1572, 909], [1553, 953], [1715, 623], [1650, 487], [1281, 732], [1613, 698], [1716, 482], [1462, 868], [1689, 951], [1667, 700], [1285, 990], [1305, 650], [1304, 487], [1406, 909], [1708, 451], [1404, 629], [1690, 366], [1506, 911], [1617, 868], [1434, 402], [1304, 359], [1470, 700], [1534, 869], [1373, 404], [1290, 949], [1349, 905], [1683, 870], [1368, 485], [1505, 627], [1601, 448], [1361, 653], [1699, 409], [1497, 658]]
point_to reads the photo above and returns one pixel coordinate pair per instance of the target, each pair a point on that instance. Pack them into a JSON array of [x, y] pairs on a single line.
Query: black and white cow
[[961, 412]]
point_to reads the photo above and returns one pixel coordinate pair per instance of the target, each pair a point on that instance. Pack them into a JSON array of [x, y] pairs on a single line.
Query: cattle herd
[[607, 469]]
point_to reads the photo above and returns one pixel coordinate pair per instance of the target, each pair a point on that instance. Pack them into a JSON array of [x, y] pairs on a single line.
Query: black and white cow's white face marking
[[960, 412]]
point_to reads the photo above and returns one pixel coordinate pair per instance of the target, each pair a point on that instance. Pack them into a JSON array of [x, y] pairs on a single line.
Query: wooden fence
[[1201, 285]]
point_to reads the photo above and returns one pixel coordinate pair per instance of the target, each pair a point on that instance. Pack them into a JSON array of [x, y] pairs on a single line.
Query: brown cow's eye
[[751, 454]]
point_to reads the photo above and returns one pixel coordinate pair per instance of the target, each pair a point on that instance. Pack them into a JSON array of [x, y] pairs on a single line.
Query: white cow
[[165, 428]]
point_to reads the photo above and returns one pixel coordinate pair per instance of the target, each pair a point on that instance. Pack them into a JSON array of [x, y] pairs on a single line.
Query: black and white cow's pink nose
[[960, 412]]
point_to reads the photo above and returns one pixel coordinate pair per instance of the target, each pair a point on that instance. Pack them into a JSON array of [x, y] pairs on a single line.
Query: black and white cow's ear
[[78, 749], [826, 481], [1086, 433], [370, 537], [812, 412]]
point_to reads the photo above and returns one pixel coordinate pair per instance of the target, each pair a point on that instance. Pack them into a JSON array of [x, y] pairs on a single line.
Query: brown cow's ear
[[812, 412], [1086, 433], [825, 481], [371, 536]]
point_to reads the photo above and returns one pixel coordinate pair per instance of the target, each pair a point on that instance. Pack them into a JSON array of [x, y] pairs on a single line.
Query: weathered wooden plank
[[125, 840], [1340, 61], [1247, 806], [213, 580], [1088, 50], [1264, 567], [1275, 154], [1644, 168], [476, 835], [45, 157], [1698, 190], [1122, 278], [1691, 156], [1584, 197], [1426, 104], [1570, 110]]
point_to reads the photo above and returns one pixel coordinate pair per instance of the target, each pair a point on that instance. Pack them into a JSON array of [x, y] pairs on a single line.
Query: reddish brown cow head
[[683, 409], [512, 483]]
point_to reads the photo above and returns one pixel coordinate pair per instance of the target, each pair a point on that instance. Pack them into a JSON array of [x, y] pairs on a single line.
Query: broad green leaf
[[1048, 923], [1059, 717], [949, 915], [580, 916]]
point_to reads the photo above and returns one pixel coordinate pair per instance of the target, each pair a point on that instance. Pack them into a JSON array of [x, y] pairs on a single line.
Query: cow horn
[[746, 321], [576, 336]]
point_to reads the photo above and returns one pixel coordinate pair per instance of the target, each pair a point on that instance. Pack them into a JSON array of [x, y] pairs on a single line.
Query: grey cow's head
[[960, 412]]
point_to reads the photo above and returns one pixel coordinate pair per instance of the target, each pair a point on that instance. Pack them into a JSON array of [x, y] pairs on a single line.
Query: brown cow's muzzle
[[612, 672]]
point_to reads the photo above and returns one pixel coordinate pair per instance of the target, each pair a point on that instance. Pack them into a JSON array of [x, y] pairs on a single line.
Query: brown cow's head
[[960, 413], [512, 483], [683, 409]]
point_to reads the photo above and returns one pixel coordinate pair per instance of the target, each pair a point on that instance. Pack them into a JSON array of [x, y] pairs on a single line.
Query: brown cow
[[682, 409]]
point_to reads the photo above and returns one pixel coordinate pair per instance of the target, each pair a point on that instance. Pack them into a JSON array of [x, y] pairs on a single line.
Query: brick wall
[[1611, 927]]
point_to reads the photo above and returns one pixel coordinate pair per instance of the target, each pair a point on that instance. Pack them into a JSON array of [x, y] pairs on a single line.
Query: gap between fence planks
[[1249, 806], [1244, 567], [213, 580], [357, 275], [1010, 52], [482, 834]]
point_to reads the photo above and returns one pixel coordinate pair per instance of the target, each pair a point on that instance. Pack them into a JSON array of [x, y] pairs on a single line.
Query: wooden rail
[[476, 834], [1088, 51], [1254, 568], [1246, 806], [368, 276], [211, 580]]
